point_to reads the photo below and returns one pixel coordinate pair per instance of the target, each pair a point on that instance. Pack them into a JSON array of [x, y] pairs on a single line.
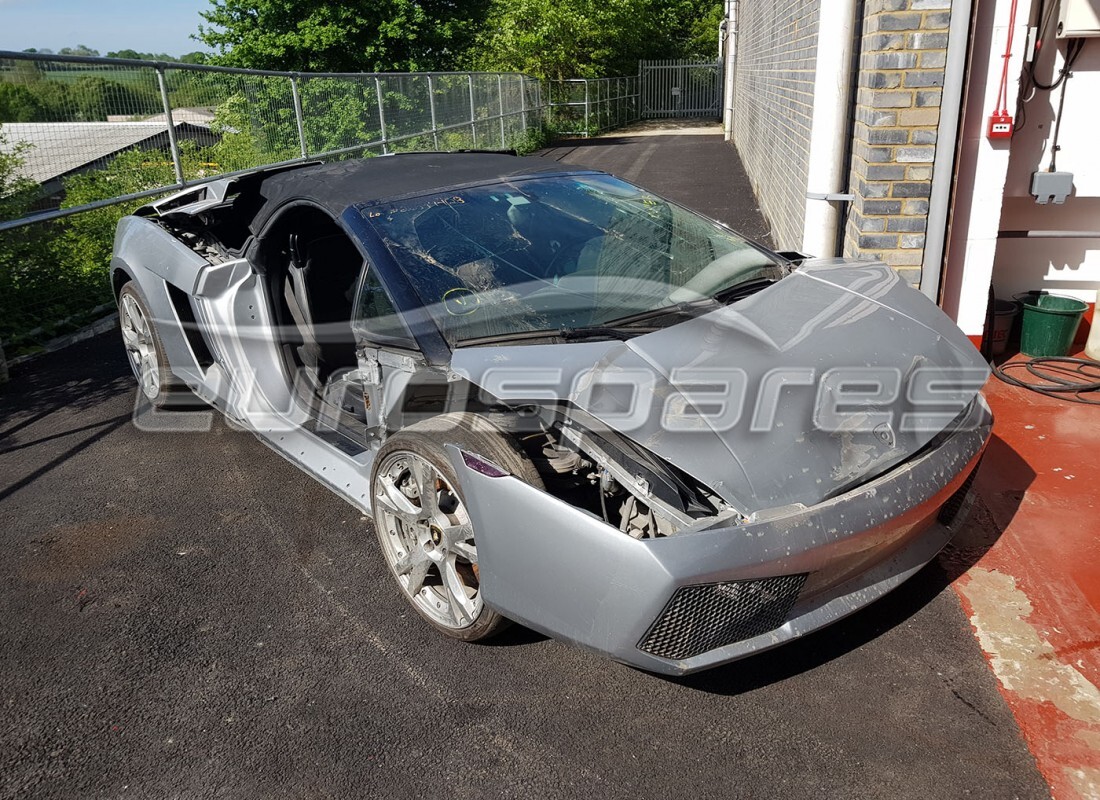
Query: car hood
[[812, 385]]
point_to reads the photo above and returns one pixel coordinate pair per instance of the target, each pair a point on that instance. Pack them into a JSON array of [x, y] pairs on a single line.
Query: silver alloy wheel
[[427, 539], [137, 336]]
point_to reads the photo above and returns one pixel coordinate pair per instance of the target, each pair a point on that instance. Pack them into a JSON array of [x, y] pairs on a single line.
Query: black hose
[[1075, 380]]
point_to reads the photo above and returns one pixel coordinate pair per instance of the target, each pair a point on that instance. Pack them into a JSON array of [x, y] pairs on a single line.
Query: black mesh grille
[[704, 617], [954, 503]]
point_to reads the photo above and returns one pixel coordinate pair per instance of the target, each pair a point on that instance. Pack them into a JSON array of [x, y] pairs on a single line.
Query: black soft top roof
[[337, 186]]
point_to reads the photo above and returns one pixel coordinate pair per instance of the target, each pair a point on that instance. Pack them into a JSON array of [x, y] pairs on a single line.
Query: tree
[[23, 252], [127, 53], [19, 104], [593, 38], [139, 56], [350, 36], [27, 96], [79, 50], [16, 191], [96, 98], [697, 22]]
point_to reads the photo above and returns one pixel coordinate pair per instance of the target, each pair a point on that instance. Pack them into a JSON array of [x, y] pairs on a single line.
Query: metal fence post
[[500, 97], [523, 102], [298, 116], [473, 111], [381, 113], [173, 145], [431, 105], [586, 108], [597, 106]]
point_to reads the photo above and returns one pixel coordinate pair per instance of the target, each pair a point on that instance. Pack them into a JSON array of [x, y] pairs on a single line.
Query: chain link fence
[[84, 141], [70, 116], [590, 106]]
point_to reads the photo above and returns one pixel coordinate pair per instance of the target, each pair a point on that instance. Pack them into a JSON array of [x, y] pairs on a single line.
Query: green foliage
[[85, 245], [350, 36], [134, 54], [16, 192], [31, 93], [338, 113], [702, 20], [249, 139], [32, 285], [594, 38], [94, 98], [79, 50], [59, 271], [532, 139], [20, 104]]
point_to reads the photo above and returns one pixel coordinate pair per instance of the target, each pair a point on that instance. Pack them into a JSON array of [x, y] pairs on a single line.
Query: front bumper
[[561, 571]]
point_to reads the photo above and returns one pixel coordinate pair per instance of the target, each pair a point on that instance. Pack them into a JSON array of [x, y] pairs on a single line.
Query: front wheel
[[423, 526], [144, 350]]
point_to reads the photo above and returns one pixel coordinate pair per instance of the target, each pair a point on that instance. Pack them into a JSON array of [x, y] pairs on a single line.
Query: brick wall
[[773, 107], [903, 53]]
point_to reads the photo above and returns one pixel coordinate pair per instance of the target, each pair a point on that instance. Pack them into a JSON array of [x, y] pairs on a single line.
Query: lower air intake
[[950, 510], [708, 616]]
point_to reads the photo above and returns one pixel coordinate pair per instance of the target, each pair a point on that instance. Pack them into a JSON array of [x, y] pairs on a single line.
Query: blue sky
[[152, 26]]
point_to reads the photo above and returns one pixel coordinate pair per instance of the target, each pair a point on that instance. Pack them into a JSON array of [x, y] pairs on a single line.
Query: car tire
[[144, 349], [429, 546]]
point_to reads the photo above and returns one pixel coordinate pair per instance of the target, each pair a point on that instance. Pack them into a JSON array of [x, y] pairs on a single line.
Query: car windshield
[[560, 253]]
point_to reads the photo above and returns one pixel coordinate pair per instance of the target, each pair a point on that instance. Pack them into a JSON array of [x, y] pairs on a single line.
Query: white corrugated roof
[[60, 147], [196, 116]]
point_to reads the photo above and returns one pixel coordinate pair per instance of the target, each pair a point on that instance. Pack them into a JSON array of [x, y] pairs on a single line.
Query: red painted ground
[[1041, 482]]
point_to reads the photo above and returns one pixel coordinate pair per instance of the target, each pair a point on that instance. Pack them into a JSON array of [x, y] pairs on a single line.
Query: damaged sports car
[[564, 400]]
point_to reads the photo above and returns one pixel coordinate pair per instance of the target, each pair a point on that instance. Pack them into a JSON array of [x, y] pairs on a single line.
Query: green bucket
[[1050, 323]]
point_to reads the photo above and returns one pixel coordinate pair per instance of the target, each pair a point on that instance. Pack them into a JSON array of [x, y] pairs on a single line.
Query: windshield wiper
[[742, 290], [563, 333], [687, 308], [601, 332]]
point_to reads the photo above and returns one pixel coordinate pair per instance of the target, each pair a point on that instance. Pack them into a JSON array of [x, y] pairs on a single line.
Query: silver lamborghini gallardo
[[564, 400]]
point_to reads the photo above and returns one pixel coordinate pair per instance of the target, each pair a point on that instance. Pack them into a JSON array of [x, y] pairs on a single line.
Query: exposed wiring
[[1031, 85], [1046, 16], [1072, 52], [603, 505], [1075, 380], [1002, 95], [1054, 146]]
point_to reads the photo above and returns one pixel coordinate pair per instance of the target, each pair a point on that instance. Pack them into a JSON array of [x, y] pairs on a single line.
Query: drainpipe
[[827, 179], [947, 137], [729, 53]]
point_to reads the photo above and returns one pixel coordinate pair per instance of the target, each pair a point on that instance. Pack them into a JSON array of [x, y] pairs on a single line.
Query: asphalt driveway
[[187, 615]]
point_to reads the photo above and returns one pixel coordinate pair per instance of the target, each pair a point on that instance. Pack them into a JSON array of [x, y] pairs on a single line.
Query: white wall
[[982, 168], [1067, 266]]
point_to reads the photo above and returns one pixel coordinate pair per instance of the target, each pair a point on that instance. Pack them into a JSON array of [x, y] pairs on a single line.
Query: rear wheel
[[144, 350], [423, 525]]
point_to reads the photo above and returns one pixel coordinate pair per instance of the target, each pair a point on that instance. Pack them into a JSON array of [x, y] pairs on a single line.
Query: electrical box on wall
[[1051, 187], [1078, 18]]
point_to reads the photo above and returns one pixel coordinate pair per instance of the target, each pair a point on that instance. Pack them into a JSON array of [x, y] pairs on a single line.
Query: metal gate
[[680, 88]]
